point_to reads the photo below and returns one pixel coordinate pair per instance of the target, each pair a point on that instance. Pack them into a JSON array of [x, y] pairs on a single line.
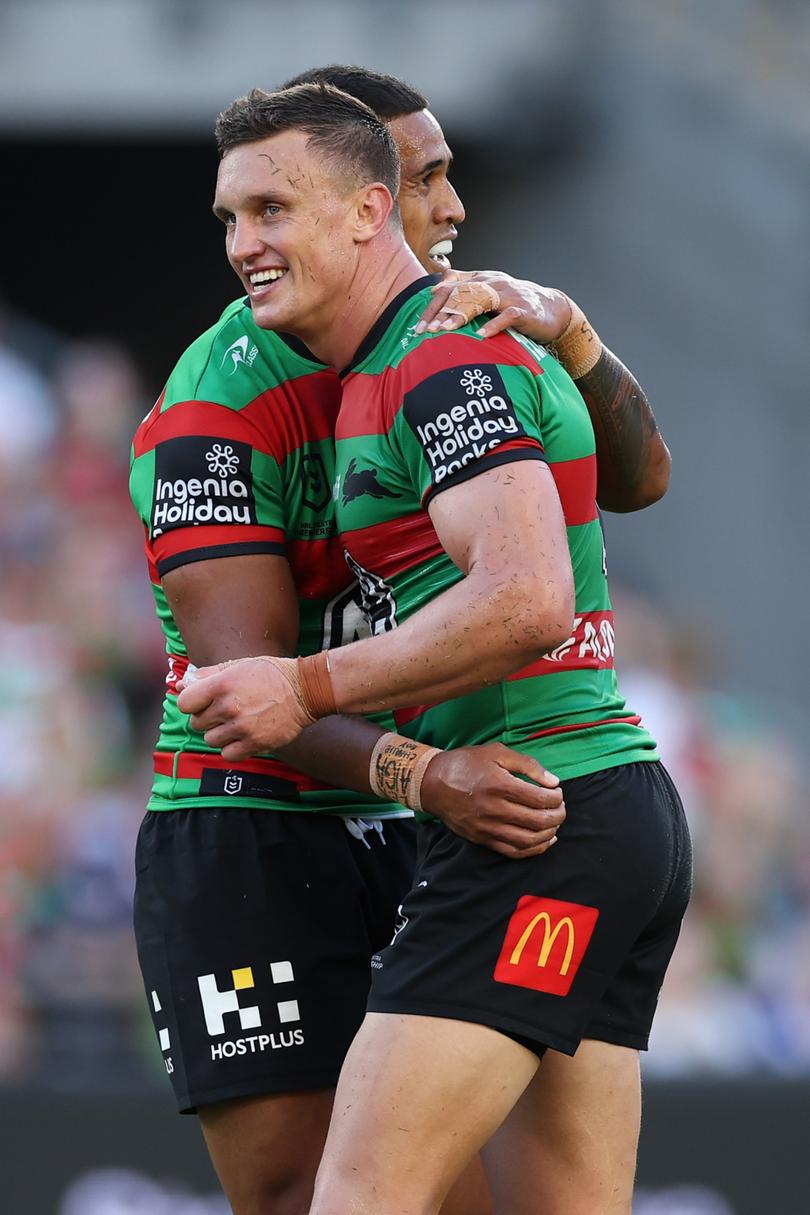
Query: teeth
[[265, 276], [443, 249]]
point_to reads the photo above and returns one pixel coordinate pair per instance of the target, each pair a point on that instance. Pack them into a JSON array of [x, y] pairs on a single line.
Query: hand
[[474, 792], [541, 313], [245, 706]]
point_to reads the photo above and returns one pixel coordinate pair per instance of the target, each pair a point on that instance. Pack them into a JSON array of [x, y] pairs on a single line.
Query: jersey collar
[[385, 319]]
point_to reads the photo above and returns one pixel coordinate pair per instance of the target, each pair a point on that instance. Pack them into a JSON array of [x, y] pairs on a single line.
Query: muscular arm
[[505, 531], [633, 461], [244, 606]]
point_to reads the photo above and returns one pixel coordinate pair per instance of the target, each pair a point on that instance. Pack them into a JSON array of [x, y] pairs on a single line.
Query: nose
[[449, 208], [244, 240]]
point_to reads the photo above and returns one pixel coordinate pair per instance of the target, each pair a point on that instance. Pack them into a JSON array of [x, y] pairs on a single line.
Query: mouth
[[440, 253], [261, 282]]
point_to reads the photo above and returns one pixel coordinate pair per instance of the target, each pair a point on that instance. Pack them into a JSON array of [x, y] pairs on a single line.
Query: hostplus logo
[[481, 417], [201, 480], [240, 353], [231, 1002], [164, 1037]]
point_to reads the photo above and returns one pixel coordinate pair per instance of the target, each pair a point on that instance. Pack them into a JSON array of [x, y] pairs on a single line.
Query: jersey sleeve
[[203, 487], [460, 421]]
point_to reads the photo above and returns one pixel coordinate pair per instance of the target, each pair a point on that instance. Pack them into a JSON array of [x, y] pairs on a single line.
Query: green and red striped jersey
[[423, 413], [237, 457]]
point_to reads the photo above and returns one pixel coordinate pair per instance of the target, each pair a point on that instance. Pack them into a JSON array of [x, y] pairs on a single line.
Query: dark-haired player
[[226, 587], [486, 554]]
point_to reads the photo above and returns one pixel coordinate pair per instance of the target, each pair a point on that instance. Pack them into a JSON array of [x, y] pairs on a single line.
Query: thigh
[[254, 940], [569, 1146], [417, 1098], [266, 1149]]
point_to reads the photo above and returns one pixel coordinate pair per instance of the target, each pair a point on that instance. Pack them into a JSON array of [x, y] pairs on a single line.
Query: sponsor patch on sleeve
[[202, 480], [460, 414]]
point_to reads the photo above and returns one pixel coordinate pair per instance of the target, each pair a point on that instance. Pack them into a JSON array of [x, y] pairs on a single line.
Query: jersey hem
[[571, 771], [161, 805]]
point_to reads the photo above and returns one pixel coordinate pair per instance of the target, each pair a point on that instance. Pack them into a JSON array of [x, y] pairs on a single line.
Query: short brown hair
[[346, 132]]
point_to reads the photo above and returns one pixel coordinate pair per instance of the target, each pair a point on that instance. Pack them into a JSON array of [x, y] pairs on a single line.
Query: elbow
[[647, 490], [546, 615]]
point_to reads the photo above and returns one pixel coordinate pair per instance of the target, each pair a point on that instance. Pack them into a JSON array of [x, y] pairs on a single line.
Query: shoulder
[[233, 361]]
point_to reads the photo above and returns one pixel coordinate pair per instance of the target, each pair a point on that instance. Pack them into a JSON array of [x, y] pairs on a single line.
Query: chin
[[267, 317]]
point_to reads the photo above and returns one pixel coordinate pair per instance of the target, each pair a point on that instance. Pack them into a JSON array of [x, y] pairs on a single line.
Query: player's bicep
[[234, 607], [508, 518]]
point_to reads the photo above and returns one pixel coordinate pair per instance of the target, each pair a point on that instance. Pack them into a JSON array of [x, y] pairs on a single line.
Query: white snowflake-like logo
[[476, 383], [222, 460]]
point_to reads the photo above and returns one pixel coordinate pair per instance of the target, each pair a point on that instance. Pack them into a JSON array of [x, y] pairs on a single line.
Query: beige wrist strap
[[397, 767], [578, 348]]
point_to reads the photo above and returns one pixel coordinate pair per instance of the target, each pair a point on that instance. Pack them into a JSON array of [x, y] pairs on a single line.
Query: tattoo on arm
[[629, 447]]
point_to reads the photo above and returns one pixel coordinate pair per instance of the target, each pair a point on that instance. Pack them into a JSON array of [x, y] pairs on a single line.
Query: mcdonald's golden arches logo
[[544, 944]]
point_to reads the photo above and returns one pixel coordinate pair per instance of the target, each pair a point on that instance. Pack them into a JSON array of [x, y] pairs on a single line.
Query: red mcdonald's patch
[[544, 944]]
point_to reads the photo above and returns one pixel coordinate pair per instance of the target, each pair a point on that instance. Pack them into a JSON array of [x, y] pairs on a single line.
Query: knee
[[276, 1191]]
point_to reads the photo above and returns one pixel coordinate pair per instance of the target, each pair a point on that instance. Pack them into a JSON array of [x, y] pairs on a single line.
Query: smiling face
[[289, 232], [428, 204]]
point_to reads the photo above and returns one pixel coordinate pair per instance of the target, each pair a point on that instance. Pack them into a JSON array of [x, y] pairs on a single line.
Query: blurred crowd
[[81, 675]]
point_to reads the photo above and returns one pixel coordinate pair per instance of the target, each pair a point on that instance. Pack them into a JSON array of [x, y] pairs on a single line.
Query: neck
[[385, 267]]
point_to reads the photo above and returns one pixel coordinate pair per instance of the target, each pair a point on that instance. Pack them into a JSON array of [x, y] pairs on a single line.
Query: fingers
[[464, 302], [438, 297], [198, 695], [510, 318], [524, 765], [521, 846]]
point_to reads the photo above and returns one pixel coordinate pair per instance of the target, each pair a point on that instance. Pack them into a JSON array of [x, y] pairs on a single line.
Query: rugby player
[[504, 633]]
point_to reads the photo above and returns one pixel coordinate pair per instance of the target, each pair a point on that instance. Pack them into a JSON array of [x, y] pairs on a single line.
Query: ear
[[373, 206]]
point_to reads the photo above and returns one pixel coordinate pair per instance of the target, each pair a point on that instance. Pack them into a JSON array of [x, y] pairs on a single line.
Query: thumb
[[193, 674]]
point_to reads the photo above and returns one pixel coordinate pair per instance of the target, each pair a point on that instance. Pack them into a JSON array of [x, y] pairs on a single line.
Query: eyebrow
[[434, 164], [253, 200]]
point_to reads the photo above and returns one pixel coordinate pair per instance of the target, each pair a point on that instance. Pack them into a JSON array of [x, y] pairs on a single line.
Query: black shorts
[[569, 945], [255, 929]]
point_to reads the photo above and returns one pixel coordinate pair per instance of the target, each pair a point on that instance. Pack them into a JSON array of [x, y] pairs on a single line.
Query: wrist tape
[[315, 682], [578, 348], [397, 768]]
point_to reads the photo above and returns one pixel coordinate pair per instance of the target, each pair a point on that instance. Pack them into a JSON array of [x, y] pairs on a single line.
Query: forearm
[[336, 750], [633, 460], [476, 633]]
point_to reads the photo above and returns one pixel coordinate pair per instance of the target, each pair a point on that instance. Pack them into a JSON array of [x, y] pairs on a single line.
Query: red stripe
[[319, 568], [373, 412], [277, 422], [589, 648], [576, 485], [188, 539], [403, 716], [395, 545], [190, 765], [586, 725]]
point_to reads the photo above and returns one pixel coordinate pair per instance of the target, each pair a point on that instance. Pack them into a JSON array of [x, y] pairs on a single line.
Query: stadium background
[[649, 156]]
